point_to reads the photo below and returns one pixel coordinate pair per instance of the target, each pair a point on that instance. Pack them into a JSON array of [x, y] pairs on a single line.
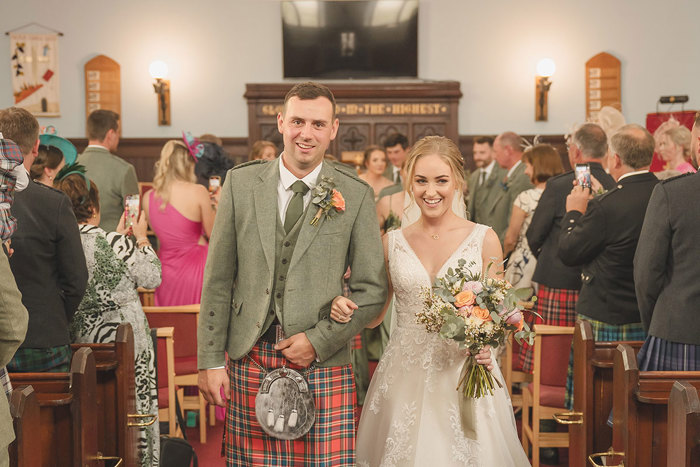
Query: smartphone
[[583, 175], [214, 183], [132, 207]]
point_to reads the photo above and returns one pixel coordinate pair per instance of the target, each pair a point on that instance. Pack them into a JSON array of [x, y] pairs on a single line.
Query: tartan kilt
[[331, 440], [50, 359], [557, 308], [602, 332], [658, 354]]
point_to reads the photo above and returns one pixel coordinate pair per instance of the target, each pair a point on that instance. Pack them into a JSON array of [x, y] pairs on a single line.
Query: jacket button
[[278, 295], [330, 327], [211, 342], [287, 243], [211, 328], [284, 260], [211, 313], [281, 278]]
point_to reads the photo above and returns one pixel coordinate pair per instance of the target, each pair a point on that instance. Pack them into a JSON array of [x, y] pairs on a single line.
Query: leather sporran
[[284, 405]]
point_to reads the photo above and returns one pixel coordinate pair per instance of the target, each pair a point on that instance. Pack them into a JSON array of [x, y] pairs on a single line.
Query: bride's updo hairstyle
[[442, 147], [175, 163]]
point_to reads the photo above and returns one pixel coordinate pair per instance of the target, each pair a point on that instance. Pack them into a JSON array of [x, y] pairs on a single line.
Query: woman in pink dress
[[181, 215]]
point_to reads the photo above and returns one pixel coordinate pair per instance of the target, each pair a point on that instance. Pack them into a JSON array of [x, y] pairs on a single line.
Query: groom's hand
[[210, 383], [297, 349]]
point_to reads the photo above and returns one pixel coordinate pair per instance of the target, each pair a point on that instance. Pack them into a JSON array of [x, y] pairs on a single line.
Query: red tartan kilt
[[331, 440], [557, 307]]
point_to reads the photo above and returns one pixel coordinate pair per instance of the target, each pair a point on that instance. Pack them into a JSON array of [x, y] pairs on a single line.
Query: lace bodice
[[408, 275]]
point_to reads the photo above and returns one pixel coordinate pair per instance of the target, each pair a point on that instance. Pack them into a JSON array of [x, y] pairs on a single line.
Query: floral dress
[[116, 267], [522, 262]]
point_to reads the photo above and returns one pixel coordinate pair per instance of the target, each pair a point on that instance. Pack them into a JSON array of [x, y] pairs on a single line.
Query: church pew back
[[24, 407], [683, 426]]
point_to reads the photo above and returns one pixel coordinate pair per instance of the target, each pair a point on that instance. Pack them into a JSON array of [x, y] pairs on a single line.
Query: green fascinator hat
[[50, 138]]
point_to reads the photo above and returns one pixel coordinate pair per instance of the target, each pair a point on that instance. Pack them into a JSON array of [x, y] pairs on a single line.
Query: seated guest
[[54, 152], [541, 162], [48, 261], [115, 176], [117, 265], [674, 148], [601, 237], [180, 213], [666, 271], [264, 150], [374, 163]]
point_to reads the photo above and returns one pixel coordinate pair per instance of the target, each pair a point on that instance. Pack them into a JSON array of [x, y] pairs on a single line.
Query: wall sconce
[[545, 69], [159, 71]]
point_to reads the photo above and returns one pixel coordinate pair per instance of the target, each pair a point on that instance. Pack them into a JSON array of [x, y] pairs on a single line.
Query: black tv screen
[[350, 39]]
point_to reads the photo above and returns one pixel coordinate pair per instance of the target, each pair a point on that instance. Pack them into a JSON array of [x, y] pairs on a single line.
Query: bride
[[411, 414]]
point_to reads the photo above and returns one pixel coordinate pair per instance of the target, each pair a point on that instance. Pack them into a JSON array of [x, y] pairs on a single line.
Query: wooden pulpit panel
[[602, 84], [103, 86]]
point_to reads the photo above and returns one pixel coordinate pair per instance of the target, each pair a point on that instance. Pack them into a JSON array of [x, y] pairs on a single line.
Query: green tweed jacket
[[499, 205], [13, 327], [238, 277], [115, 178]]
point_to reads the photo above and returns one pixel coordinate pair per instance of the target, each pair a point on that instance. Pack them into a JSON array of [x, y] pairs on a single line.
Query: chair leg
[[535, 436], [212, 415], [202, 419], [525, 420]]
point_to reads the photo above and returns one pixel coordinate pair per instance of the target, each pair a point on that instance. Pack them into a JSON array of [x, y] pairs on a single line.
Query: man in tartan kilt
[[666, 272], [602, 235], [558, 284], [285, 233]]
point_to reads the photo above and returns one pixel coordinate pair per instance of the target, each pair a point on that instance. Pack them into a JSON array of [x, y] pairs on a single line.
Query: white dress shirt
[[284, 187], [512, 169], [485, 173]]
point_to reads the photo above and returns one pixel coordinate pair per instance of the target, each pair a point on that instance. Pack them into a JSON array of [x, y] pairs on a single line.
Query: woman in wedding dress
[[411, 411]]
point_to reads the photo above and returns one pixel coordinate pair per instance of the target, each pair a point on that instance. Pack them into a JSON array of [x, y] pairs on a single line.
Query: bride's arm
[[378, 320], [491, 253]]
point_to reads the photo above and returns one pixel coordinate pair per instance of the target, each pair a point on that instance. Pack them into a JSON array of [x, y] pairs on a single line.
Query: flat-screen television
[[350, 39]]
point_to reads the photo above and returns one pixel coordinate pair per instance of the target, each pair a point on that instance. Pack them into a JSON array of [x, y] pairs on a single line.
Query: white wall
[[214, 47]]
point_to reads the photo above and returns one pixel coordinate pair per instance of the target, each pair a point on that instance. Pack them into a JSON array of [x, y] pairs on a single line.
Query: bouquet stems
[[476, 381]]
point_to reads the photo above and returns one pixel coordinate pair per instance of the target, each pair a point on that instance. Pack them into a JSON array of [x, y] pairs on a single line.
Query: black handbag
[[177, 452]]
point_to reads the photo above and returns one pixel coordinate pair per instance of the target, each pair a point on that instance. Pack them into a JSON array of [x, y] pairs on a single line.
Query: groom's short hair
[[308, 91]]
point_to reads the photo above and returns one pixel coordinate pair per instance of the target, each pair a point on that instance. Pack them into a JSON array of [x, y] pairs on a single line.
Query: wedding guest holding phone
[[180, 213], [117, 264]]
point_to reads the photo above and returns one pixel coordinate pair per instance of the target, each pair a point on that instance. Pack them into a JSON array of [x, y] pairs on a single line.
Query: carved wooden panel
[[602, 84], [102, 86], [368, 112]]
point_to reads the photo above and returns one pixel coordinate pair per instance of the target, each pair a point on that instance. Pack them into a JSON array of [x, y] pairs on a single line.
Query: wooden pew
[[67, 433], [24, 407], [640, 406], [116, 396], [593, 394], [683, 426]]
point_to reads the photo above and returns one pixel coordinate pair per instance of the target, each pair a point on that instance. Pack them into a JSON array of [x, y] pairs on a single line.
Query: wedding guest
[[54, 153], [541, 162], [48, 261], [180, 213], [117, 265], [264, 150], [674, 148], [374, 163]]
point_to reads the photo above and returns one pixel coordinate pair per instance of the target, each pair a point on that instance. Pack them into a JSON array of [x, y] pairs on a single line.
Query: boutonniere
[[327, 198], [504, 184]]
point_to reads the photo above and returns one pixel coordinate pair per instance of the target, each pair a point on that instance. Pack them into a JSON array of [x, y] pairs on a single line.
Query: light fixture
[[545, 69], [159, 71]]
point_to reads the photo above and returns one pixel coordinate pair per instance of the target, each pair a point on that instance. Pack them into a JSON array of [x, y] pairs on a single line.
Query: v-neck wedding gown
[[411, 414]]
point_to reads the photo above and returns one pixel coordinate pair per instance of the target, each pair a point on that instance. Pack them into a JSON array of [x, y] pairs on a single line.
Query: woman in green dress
[[117, 265]]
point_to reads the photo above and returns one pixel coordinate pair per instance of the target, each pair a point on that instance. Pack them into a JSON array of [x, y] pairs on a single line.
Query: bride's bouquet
[[475, 310]]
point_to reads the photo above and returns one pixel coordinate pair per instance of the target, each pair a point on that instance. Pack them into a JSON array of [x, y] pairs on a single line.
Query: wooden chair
[[147, 296], [24, 407], [683, 426], [593, 394], [67, 433], [185, 320], [545, 395], [513, 371], [116, 396], [165, 356], [640, 410]]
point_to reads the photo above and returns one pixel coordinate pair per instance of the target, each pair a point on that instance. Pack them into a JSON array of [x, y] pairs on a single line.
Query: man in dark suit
[[559, 284], [601, 235], [48, 260], [485, 181], [666, 272]]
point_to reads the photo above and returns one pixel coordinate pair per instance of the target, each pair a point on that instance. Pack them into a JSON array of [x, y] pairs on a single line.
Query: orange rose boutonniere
[[327, 198]]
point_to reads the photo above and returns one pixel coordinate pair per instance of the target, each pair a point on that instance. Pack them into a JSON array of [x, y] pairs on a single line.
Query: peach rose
[[338, 201], [464, 298], [481, 313]]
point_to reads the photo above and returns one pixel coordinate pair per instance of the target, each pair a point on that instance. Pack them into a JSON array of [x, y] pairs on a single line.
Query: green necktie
[[296, 205]]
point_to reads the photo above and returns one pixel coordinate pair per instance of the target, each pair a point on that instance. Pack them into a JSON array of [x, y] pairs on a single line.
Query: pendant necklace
[[435, 236]]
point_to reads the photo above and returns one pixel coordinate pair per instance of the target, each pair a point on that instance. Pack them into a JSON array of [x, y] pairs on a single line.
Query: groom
[[270, 271]]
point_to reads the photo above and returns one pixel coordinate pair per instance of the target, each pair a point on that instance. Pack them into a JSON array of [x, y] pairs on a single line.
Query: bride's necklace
[[435, 236]]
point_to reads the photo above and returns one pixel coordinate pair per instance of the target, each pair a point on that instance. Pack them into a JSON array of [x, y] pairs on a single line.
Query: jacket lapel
[[265, 199], [308, 232]]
